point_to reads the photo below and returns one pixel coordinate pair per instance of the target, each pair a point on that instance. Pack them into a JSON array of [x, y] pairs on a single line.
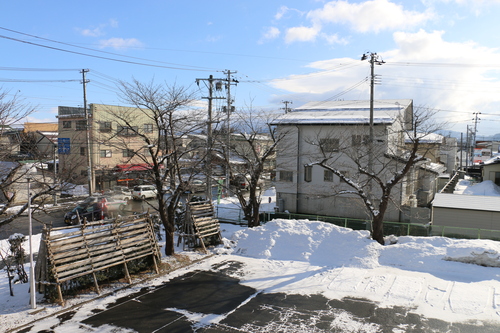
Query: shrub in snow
[[16, 256], [14, 261]]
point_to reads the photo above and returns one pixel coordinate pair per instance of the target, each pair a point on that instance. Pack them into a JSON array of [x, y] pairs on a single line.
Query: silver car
[[143, 192]]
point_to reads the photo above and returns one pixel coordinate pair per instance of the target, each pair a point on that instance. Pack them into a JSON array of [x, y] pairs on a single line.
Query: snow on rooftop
[[345, 112], [426, 138]]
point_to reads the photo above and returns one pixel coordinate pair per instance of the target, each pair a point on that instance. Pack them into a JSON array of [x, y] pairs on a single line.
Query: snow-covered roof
[[463, 201], [345, 112], [426, 138], [493, 160], [434, 167]]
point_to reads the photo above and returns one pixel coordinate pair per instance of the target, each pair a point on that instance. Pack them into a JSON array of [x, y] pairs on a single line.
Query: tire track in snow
[[437, 294], [347, 280], [378, 284], [405, 290], [470, 299]]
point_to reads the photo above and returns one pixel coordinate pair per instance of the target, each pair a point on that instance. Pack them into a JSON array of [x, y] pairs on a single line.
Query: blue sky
[[443, 54]]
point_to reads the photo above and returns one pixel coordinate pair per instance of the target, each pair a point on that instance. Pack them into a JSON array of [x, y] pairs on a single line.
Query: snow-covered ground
[[488, 188], [436, 277]]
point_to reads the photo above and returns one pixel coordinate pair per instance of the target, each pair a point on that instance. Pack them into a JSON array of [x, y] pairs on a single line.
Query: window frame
[[286, 176], [105, 126], [81, 125], [67, 124], [330, 145], [328, 176], [105, 153], [128, 153], [126, 130], [148, 128]]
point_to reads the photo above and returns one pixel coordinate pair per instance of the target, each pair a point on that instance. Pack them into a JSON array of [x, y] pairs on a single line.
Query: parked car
[[143, 192], [198, 185], [95, 208], [91, 212], [120, 193], [239, 182]]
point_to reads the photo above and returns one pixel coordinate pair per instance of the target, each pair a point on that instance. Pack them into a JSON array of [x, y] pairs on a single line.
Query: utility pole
[[87, 133], [467, 150], [374, 60], [209, 134], [476, 118], [32, 265], [286, 106], [229, 109]]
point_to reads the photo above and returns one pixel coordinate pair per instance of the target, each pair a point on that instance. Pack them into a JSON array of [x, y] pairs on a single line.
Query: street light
[[32, 267]]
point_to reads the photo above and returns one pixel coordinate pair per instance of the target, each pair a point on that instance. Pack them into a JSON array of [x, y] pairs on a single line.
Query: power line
[[100, 57], [94, 50], [37, 81], [37, 69]]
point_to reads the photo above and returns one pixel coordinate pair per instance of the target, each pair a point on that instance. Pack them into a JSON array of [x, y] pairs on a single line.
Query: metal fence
[[235, 215]]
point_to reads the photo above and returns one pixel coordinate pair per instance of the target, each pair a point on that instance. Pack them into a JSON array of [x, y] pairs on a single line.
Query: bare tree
[[170, 111], [253, 144], [14, 109], [371, 172]]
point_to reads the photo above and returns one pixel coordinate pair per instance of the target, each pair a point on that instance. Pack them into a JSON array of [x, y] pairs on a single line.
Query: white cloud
[[213, 39], [120, 43], [270, 33], [99, 30], [301, 34], [335, 39], [369, 16], [96, 32], [461, 77], [283, 10], [113, 23]]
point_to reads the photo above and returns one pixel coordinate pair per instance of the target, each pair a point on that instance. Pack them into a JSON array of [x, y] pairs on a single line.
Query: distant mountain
[[455, 134]]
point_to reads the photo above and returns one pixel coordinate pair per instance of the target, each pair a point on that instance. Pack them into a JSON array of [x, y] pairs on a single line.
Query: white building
[[340, 130]]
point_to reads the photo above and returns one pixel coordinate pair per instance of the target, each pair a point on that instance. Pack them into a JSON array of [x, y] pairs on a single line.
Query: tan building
[[43, 137], [114, 136]]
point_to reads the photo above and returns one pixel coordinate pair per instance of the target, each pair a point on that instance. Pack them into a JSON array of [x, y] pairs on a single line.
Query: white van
[[143, 192]]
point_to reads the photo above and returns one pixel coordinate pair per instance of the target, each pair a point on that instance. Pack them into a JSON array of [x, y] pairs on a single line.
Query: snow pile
[[324, 244], [487, 187], [475, 252], [302, 240]]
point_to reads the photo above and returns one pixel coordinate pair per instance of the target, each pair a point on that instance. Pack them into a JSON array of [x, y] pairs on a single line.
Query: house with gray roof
[[335, 127]]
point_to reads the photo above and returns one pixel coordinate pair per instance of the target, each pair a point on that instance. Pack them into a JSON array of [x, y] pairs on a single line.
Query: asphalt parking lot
[[213, 301]]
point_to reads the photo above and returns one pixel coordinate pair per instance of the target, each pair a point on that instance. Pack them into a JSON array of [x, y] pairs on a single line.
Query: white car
[[143, 192]]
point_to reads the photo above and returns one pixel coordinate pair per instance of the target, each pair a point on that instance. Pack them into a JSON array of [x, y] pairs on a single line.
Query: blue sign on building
[[64, 146]]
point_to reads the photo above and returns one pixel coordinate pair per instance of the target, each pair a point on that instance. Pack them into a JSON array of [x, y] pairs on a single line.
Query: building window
[[148, 128], [358, 140], [329, 145], [126, 130], [105, 153], [308, 173], [81, 125], [83, 173], [127, 153], [66, 124], [286, 176], [147, 152], [105, 126], [82, 151], [328, 176]]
